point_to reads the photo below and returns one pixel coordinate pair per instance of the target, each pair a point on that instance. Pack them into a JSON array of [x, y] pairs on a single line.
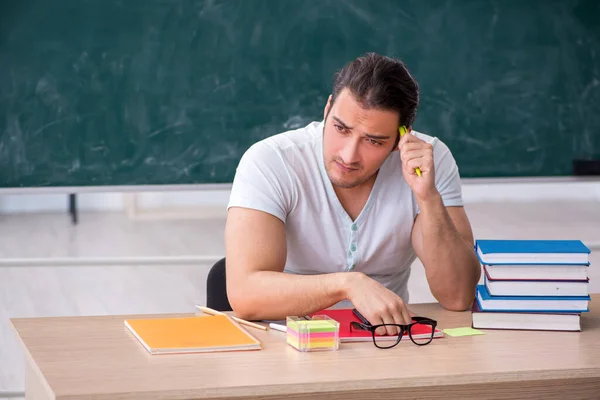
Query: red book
[[345, 315]]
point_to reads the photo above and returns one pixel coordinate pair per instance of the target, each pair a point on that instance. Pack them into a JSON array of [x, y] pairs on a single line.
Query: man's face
[[356, 141]]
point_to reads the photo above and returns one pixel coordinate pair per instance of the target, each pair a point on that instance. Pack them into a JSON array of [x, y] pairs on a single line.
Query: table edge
[[512, 377]]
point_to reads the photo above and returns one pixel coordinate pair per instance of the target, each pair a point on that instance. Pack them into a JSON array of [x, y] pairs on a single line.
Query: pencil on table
[[210, 311]]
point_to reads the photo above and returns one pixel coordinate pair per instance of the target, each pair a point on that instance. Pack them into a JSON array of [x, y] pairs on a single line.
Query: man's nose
[[349, 152]]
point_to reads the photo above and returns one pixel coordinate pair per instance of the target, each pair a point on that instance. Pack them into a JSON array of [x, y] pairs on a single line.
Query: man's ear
[[327, 107]]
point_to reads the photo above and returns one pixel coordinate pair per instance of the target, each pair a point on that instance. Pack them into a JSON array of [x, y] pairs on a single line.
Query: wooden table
[[97, 358]]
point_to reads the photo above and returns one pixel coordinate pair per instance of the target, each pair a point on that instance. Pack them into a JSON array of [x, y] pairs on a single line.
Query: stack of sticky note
[[532, 284], [319, 332]]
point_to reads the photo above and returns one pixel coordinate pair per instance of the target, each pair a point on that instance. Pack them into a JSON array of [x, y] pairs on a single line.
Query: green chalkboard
[[140, 92]]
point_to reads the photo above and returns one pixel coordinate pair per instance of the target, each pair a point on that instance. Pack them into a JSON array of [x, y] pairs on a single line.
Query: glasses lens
[[387, 341], [422, 332]]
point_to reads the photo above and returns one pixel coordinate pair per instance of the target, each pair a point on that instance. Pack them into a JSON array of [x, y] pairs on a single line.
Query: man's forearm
[[275, 295], [451, 267]]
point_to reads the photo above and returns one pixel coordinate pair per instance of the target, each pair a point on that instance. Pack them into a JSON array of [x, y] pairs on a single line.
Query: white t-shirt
[[284, 175]]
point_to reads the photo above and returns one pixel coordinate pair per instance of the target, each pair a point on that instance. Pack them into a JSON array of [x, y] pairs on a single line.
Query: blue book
[[532, 252], [548, 304]]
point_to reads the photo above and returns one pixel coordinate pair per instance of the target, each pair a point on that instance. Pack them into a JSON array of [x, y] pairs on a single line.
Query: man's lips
[[344, 168]]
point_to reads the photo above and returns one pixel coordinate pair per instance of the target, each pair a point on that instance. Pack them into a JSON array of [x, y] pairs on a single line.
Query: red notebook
[[345, 315]]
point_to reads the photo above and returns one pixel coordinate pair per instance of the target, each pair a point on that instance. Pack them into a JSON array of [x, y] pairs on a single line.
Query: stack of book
[[532, 285]]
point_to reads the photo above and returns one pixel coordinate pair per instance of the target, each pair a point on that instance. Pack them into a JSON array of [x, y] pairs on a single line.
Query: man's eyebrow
[[369, 135], [343, 123], [379, 137]]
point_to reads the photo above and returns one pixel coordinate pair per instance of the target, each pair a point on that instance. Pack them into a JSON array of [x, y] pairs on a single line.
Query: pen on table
[[278, 327], [210, 311], [403, 131]]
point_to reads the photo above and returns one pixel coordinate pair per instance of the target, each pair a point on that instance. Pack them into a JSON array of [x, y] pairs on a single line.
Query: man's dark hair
[[380, 82]]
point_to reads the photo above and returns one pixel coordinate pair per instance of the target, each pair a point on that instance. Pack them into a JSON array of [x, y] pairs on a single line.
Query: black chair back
[[216, 288]]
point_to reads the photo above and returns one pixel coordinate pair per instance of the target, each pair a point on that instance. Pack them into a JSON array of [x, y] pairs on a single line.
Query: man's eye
[[338, 128], [374, 142]]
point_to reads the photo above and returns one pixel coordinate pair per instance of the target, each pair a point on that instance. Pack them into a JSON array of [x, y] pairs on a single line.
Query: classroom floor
[[50, 267]]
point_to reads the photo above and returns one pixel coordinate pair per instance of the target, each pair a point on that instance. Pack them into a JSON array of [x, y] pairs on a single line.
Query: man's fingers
[[394, 315], [385, 316], [415, 149], [405, 146], [416, 163], [409, 146], [381, 330], [403, 140], [390, 320], [408, 138], [406, 316], [424, 163], [376, 319], [409, 155], [399, 319]]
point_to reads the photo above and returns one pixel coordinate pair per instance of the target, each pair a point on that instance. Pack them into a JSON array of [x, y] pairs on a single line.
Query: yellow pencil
[[403, 131], [210, 311]]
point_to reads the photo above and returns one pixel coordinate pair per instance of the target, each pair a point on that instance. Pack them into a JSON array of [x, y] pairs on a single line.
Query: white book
[[537, 272], [525, 321], [537, 288]]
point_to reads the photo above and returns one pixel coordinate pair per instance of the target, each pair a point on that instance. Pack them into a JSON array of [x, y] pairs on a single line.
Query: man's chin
[[345, 183]]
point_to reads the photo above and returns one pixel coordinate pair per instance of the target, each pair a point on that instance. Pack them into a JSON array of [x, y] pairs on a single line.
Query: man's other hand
[[377, 304]]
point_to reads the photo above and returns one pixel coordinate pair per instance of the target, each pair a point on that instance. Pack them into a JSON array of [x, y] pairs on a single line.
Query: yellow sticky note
[[466, 331]]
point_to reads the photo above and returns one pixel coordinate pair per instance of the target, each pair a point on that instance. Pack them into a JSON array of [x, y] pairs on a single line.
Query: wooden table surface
[[96, 357]]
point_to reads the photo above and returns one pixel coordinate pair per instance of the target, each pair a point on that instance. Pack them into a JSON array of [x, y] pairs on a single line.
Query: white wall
[[198, 202]]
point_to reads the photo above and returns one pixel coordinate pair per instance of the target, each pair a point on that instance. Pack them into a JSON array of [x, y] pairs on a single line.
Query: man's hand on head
[[416, 153]]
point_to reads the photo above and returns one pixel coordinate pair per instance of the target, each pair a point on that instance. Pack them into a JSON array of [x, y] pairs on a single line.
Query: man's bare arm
[[257, 288], [443, 240]]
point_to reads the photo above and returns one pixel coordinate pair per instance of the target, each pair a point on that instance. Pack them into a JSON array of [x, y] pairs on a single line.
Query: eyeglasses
[[420, 331]]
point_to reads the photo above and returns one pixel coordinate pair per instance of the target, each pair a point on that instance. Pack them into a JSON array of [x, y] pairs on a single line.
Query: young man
[[336, 211]]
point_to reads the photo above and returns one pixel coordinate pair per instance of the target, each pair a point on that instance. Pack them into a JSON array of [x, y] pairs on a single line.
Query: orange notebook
[[191, 334]]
